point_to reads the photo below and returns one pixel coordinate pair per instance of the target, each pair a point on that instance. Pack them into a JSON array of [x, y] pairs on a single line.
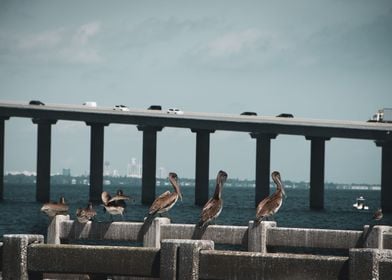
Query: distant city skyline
[[314, 59]]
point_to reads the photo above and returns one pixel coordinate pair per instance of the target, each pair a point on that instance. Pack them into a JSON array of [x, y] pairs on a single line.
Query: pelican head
[[222, 177], [278, 181], [174, 180]]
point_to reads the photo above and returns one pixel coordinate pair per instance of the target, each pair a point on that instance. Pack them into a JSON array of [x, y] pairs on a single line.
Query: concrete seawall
[[179, 251]]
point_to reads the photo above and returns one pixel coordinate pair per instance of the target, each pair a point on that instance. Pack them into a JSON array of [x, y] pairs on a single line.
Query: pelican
[[165, 201], [377, 215], [114, 205], [85, 214], [55, 208], [213, 207], [270, 205]]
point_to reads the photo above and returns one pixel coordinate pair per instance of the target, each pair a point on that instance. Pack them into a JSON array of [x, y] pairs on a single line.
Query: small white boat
[[360, 204]]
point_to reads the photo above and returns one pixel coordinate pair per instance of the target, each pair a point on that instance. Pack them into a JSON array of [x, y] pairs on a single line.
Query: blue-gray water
[[21, 214]]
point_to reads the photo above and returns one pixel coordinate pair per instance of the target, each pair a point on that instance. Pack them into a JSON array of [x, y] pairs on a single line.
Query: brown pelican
[[85, 214], [213, 207], [165, 201], [114, 205], [270, 205], [377, 215], [55, 208]]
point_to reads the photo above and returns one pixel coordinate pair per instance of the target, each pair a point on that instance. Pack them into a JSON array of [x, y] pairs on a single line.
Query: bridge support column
[[149, 162], [386, 175], [2, 119], [263, 162], [317, 166], [202, 165], [43, 159], [96, 160]]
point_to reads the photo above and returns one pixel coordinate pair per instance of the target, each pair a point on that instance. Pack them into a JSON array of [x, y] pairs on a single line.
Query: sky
[[312, 58]]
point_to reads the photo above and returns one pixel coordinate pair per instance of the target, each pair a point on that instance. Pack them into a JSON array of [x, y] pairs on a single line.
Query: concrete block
[[369, 263], [374, 236], [152, 235], [54, 229], [232, 235], [216, 264], [119, 231], [180, 258], [94, 259], [15, 254], [257, 236]]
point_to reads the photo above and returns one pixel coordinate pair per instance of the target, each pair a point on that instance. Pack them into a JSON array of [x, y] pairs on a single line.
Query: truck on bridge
[[383, 115]]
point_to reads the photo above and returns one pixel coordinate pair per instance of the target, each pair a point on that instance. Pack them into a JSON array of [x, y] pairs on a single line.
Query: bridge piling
[[2, 121], [317, 166], [386, 176], [96, 160], [202, 165], [149, 162], [43, 159], [263, 163]]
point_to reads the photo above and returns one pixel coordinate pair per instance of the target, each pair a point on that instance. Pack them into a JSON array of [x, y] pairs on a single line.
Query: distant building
[[134, 169], [66, 172]]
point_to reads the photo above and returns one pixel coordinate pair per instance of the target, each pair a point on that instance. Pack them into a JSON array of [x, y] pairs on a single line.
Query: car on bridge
[[121, 108], [175, 111], [155, 107], [247, 113], [36, 102], [285, 115]]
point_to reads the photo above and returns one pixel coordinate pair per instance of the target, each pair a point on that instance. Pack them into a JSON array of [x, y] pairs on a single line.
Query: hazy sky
[[314, 59]]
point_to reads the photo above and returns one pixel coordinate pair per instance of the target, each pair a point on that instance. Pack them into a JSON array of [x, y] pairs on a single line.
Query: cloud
[[85, 32], [62, 45], [234, 43]]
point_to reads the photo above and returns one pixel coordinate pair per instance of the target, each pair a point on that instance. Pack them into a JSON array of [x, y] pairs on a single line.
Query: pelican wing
[[118, 197], [211, 210], [161, 202], [105, 196], [268, 205]]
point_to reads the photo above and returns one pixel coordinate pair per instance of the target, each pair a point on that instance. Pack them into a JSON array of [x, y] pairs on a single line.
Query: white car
[[121, 108], [90, 104], [175, 111]]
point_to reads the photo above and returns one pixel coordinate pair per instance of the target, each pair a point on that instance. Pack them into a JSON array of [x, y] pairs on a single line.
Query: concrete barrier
[[249, 265], [90, 259], [254, 238], [25, 257]]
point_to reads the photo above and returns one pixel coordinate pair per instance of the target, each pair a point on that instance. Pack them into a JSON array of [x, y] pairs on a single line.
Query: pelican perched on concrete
[[55, 208], [213, 207], [114, 205], [270, 205], [85, 214], [165, 201]]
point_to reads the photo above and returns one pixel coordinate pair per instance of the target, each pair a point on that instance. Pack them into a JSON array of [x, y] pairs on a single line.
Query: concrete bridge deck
[[150, 122]]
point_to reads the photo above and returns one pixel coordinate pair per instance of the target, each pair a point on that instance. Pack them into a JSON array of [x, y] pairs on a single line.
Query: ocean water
[[21, 214]]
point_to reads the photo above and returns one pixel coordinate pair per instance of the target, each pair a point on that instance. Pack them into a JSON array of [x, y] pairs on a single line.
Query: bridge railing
[[253, 238], [27, 257]]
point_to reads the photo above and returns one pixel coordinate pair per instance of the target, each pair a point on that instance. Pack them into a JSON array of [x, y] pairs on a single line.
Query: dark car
[[36, 102], [285, 115], [248, 114], [155, 107]]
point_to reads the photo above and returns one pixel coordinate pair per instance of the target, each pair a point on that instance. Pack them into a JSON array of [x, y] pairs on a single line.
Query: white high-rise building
[[134, 169]]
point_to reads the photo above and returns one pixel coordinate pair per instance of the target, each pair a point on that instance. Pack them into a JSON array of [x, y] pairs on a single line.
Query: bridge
[[262, 128]]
